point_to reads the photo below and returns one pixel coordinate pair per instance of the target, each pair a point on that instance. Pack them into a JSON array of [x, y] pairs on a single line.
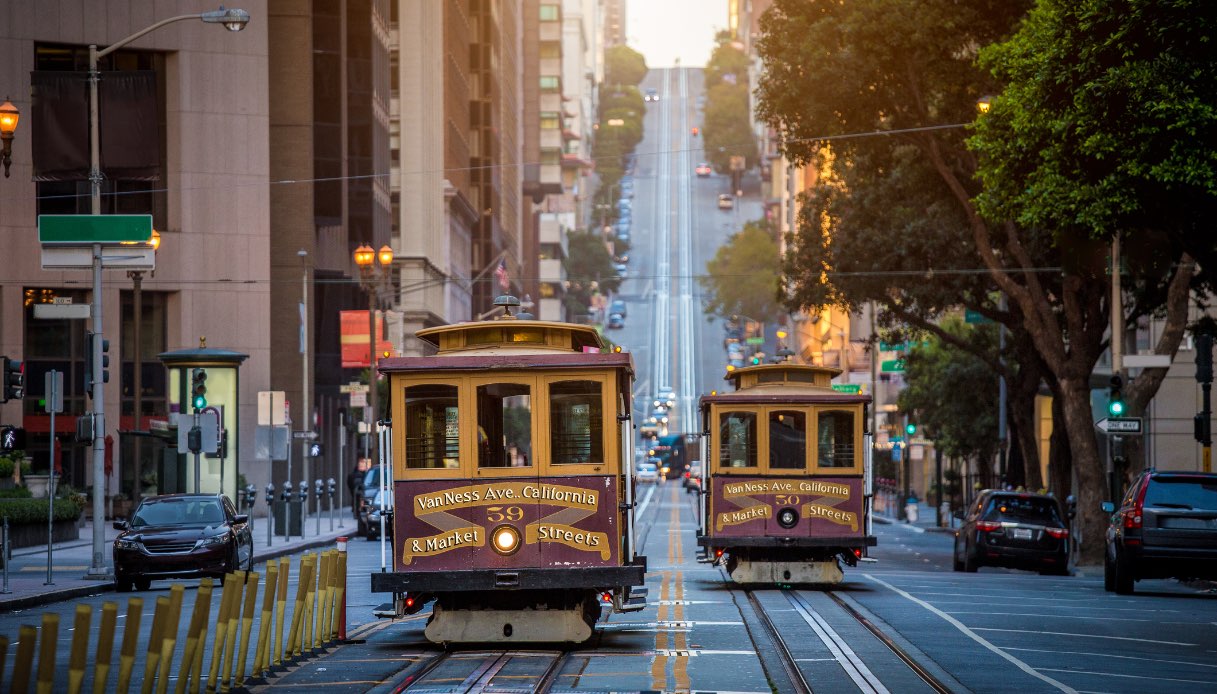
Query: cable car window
[[836, 438], [504, 425], [432, 427], [788, 440], [737, 439], [576, 421]]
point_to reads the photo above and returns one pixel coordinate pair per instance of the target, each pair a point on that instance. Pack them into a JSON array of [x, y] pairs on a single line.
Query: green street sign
[[890, 346], [755, 340], [851, 388], [84, 229], [892, 366]]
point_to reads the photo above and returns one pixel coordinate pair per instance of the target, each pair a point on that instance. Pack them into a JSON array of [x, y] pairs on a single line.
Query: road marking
[[850, 662], [1116, 674], [1110, 655], [1061, 616], [643, 506], [975, 637], [1088, 636]]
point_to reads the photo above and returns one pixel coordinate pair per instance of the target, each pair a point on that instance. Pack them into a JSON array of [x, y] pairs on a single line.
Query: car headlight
[[214, 540], [122, 543]]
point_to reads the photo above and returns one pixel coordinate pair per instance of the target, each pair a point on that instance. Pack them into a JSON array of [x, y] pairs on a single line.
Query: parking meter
[[286, 495], [303, 493], [331, 487], [1071, 506], [270, 494], [318, 488], [251, 496]]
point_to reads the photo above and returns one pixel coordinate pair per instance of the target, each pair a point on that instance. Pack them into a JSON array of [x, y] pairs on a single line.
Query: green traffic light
[[1115, 408], [910, 428], [200, 402]]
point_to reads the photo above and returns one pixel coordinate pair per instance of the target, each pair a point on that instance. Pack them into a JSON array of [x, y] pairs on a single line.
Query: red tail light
[[409, 602], [1132, 517], [1058, 533], [718, 552], [606, 597], [686, 475], [988, 526], [858, 552]]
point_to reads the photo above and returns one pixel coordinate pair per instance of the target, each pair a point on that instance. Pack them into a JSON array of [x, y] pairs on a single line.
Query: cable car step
[[385, 610], [636, 599]]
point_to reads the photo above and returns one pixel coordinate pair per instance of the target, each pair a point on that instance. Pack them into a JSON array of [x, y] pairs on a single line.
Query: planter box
[[34, 535]]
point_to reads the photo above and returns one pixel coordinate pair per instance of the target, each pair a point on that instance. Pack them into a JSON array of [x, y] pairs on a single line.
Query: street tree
[[726, 127], [624, 65], [742, 278], [728, 62], [589, 269]]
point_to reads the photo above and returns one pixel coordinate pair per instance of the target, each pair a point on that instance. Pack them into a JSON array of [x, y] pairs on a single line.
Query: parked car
[[692, 481], [726, 201], [1166, 526], [620, 269], [181, 536], [703, 170], [1013, 529], [373, 520], [647, 473], [364, 494], [615, 321], [618, 306]]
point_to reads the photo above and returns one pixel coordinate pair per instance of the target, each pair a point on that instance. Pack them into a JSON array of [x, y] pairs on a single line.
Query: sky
[[664, 30]]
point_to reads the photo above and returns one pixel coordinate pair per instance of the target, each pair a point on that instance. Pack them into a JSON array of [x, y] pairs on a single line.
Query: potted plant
[[9, 465], [120, 505], [39, 485]]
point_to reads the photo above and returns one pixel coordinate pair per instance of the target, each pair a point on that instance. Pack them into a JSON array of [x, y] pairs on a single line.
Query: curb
[[883, 520], [99, 587]]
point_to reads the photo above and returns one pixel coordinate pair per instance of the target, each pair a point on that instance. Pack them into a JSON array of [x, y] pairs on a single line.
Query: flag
[[501, 273]]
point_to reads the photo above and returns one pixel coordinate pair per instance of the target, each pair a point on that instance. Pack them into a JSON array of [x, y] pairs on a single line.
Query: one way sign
[[1120, 425]]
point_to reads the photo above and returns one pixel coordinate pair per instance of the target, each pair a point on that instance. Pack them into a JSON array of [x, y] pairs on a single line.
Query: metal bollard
[[79, 655], [7, 556], [261, 661], [126, 653], [202, 608], [105, 646], [217, 649], [27, 640], [342, 589], [169, 637], [285, 567], [153, 656], [247, 623], [46, 659], [270, 514]]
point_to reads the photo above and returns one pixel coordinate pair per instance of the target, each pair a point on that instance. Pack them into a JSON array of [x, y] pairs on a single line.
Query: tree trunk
[[1092, 487], [1060, 465], [1028, 447]]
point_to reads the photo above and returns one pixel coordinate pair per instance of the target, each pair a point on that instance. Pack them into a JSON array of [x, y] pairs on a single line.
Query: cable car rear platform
[[531, 578], [779, 541]]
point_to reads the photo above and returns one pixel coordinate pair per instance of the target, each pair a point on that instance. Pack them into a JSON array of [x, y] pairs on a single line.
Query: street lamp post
[[137, 386], [233, 20], [9, 115], [373, 269]]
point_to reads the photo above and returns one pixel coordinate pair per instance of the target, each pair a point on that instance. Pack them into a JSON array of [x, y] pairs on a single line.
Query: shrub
[[15, 493], [29, 511]]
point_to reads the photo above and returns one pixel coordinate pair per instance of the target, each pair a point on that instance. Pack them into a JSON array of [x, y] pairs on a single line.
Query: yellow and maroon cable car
[[788, 476], [513, 496]]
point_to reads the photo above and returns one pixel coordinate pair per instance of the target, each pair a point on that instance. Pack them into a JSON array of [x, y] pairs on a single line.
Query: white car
[[647, 473]]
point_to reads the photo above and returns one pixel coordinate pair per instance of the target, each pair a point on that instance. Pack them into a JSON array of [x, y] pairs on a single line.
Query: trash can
[[296, 518]]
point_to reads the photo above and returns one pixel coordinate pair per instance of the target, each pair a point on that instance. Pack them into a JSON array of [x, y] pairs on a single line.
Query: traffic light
[[14, 379], [198, 388], [1115, 400], [910, 428], [755, 360], [105, 362]]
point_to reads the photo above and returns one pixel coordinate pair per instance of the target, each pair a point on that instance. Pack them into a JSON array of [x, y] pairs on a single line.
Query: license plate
[[1020, 533]]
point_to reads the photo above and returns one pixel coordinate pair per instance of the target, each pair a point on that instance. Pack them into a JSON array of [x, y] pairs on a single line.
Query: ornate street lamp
[[9, 115], [137, 386], [373, 270]]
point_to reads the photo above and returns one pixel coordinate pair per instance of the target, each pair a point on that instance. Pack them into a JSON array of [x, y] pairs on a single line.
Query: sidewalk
[[71, 560], [927, 517]]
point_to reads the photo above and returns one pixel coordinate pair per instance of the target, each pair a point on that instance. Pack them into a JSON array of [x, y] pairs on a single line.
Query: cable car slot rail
[[793, 674], [481, 672]]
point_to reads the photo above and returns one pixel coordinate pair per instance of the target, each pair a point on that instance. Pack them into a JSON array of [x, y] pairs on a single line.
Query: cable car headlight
[[788, 518], [505, 540]]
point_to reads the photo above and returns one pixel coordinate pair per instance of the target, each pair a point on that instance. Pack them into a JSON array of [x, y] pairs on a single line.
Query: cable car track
[[487, 672], [855, 666]]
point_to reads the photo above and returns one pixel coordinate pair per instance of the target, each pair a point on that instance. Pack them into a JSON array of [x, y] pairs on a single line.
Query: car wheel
[[1123, 576], [971, 562], [956, 562], [143, 583], [1109, 573], [122, 585]]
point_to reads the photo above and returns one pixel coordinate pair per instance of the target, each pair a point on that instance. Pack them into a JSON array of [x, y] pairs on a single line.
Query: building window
[[550, 83], [550, 13], [551, 49], [551, 120], [550, 155]]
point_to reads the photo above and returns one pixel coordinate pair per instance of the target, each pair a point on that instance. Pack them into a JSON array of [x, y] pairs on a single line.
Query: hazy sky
[[664, 30]]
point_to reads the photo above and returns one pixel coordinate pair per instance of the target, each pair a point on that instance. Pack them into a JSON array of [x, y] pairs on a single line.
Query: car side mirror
[[241, 518], [120, 525], [1108, 507]]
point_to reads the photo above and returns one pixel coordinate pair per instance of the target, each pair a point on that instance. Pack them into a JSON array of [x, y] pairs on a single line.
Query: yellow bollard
[[217, 650], [304, 639], [340, 630], [126, 653], [196, 668], [153, 657], [324, 590], [105, 646], [46, 659], [293, 631], [27, 639], [3, 657], [261, 651], [323, 576], [202, 606], [230, 635], [247, 623], [169, 639], [79, 655], [285, 567]]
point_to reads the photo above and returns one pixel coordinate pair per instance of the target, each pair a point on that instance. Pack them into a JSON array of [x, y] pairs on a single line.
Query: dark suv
[[181, 536], [1015, 530], [1166, 526]]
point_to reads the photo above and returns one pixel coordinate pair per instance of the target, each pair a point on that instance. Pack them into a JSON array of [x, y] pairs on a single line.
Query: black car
[[365, 494], [181, 536], [1014, 530], [373, 524], [1166, 526]]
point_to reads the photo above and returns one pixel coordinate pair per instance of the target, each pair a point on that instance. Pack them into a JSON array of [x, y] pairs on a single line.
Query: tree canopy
[[624, 65], [589, 269], [742, 278]]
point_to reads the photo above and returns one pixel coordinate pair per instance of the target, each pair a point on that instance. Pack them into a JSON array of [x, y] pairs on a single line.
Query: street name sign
[[755, 340], [307, 435], [1119, 425], [892, 366], [88, 229], [353, 388], [851, 388]]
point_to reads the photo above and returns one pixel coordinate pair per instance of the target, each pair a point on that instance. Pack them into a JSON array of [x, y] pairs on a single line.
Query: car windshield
[[1023, 509], [178, 512], [371, 478], [1182, 492]]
